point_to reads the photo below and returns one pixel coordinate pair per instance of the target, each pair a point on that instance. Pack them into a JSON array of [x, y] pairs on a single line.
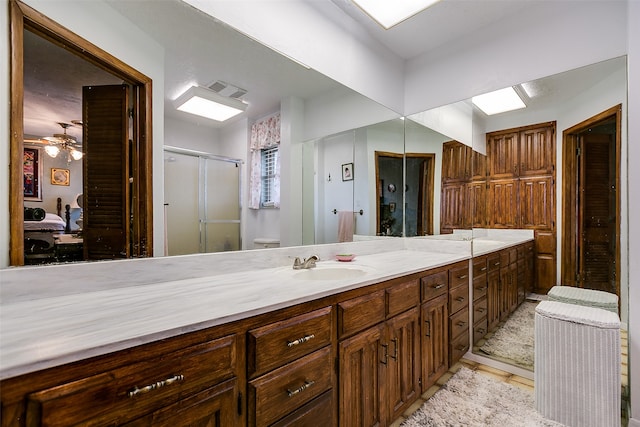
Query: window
[[269, 160]]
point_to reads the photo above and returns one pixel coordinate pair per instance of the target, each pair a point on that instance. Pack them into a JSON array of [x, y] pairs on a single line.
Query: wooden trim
[[569, 208], [24, 17], [16, 198], [523, 128]]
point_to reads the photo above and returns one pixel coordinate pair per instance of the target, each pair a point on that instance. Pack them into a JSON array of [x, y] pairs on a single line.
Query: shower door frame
[[203, 192]]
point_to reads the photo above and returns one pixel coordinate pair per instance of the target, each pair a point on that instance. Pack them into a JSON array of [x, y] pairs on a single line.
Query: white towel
[[345, 226]]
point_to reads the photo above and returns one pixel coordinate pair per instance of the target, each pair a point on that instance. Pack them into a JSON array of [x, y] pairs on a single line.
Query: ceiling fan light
[[52, 150], [77, 155]]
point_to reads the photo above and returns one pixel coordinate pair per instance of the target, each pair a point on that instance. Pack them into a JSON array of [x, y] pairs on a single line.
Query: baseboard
[[634, 422]]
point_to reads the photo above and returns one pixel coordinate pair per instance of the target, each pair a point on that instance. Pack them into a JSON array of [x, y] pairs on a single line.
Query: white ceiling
[[201, 50]]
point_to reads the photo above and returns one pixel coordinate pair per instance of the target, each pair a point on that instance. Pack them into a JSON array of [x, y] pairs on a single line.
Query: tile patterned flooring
[[515, 380]]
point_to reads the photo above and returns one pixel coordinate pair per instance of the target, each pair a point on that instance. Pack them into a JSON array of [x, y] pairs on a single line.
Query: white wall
[[183, 134], [314, 33], [633, 117]]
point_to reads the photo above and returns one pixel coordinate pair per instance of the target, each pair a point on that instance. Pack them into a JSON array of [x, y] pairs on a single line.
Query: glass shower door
[[220, 219]]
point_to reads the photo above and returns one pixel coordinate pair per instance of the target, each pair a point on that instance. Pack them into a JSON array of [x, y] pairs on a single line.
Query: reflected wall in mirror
[[539, 161]]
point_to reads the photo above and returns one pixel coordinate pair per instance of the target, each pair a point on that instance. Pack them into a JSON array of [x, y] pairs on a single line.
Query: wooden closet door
[[106, 172], [503, 204], [537, 203], [537, 151], [502, 153]]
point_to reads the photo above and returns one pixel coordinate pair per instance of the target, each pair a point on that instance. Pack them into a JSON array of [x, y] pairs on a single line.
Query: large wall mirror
[[582, 211]]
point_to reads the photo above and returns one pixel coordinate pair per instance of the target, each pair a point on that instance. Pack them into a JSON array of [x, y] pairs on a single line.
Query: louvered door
[[597, 204], [106, 172]]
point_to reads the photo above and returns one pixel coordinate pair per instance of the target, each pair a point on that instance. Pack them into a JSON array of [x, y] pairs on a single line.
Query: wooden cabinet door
[[502, 153], [537, 151], [545, 261], [362, 378], [215, 407], [453, 207], [537, 203], [403, 368], [477, 202], [493, 298], [502, 209], [435, 336], [456, 162], [478, 166]]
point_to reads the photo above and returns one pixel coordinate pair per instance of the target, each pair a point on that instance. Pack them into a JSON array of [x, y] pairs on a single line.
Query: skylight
[[388, 13], [498, 101]]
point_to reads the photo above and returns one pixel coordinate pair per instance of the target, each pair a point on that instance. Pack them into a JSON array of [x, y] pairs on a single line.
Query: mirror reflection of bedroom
[[54, 160]]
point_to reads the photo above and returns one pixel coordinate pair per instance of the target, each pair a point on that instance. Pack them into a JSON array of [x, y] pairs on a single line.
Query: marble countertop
[[57, 328]]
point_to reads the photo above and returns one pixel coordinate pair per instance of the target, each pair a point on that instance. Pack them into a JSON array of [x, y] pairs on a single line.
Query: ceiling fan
[[62, 142]]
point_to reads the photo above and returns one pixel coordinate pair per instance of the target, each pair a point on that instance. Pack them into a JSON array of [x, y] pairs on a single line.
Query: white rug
[[513, 341], [472, 399]]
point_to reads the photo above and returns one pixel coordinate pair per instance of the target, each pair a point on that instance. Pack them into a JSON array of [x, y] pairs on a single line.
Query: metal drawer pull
[[481, 309], [438, 286], [386, 354], [303, 387], [461, 323], [483, 269], [428, 334], [460, 299], [146, 389], [464, 276], [300, 340]]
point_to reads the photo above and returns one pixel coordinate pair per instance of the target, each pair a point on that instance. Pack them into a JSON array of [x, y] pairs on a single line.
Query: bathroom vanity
[[193, 341]]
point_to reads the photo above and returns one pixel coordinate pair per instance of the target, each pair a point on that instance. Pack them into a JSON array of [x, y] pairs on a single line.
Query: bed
[[39, 242]]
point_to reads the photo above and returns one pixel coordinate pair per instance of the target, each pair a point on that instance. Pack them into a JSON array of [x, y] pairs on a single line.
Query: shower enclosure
[[202, 202]]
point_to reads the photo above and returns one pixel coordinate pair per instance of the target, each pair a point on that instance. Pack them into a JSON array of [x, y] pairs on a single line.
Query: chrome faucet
[[307, 263]]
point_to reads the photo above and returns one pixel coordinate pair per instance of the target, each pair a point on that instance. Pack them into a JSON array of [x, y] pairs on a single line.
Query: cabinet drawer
[[459, 275], [283, 390], [479, 266], [458, 298], [434, 285], [402, 297], [359, 313], [279, 343], [507, 256], [458, 347], [318, 412], [493, 261], [479, 286], [479, 309], [116, 396], [479, 330], [459, 323]]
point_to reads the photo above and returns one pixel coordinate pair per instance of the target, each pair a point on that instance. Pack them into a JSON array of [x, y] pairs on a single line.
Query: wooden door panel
[[404, 362], [452, 207], [106, 228], [361, 379], [537, 203], [537, 151], [435, 333], [503, 204], [502, 152], [545, 261], [477, 200], [456, 161]]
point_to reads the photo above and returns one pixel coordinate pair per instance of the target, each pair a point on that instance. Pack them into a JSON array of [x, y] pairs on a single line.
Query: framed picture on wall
[[347, 172], [60, 176], [32, 173]]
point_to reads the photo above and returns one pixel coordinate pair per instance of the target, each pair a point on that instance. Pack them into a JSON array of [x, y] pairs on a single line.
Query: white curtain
[[264, 134]]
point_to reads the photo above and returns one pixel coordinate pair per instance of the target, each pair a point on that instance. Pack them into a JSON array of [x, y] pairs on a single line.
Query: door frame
[[425, 218], [570, 235], [24, 17]]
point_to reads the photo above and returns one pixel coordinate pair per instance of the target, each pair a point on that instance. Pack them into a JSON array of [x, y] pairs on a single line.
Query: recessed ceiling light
[[498, 101], [207, 103], [388, 13]]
